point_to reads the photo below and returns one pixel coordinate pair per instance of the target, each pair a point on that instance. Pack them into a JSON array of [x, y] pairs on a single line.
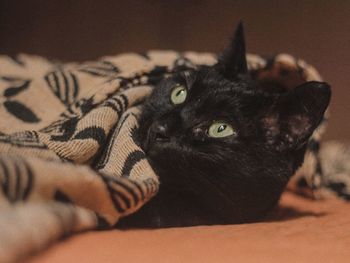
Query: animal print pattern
[[69, 156]]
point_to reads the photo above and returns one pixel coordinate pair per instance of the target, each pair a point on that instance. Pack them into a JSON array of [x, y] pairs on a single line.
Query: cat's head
[[214, 131]]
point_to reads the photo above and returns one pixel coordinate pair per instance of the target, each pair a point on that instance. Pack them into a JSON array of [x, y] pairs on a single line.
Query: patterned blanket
[[69, 158]]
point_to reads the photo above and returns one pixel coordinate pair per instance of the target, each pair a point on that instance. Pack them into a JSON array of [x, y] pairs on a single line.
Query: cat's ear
[[296, 115], [232, 61]]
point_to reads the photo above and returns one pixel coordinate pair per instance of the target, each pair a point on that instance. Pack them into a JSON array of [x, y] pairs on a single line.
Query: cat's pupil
[[222, 127], [179, 92]]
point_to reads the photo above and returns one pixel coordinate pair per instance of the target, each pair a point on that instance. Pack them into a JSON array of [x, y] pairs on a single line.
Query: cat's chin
[[160, 149]]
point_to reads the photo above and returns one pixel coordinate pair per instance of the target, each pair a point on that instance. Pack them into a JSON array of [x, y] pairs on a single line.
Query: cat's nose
[[160, 132]]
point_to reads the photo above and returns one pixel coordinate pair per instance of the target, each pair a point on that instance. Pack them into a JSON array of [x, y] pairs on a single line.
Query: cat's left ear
[[232, 62], [296, 115]]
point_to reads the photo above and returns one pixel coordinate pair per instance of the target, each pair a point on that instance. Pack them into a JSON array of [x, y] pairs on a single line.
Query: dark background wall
[[318, 31]]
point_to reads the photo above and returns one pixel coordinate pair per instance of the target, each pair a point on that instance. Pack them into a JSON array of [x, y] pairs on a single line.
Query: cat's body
[[224, 146]]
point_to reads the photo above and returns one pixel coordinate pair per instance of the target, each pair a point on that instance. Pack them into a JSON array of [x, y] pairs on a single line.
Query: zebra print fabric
[[69, 157]]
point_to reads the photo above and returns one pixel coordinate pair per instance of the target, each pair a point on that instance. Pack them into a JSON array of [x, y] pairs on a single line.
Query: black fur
[[229, 180]]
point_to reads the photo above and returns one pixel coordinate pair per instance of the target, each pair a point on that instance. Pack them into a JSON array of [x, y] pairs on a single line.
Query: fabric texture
[[300, 230], [70, 160]]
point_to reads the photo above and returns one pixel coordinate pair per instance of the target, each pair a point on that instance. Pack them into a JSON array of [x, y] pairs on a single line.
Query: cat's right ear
[[232, 63]]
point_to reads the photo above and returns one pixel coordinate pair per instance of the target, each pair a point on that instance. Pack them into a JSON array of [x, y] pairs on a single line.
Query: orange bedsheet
[[300, 230]]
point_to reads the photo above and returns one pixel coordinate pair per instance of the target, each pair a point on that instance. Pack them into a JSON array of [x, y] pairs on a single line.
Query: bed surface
[[300, 230]]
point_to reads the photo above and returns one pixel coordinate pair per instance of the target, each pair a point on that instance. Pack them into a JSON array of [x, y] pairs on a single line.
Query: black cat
[[224, 147]]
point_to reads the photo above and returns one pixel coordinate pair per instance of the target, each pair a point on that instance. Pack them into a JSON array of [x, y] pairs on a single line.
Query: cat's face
[[224, 148]]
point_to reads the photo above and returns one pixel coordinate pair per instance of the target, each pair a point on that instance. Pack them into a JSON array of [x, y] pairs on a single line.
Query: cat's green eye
[[178, 95], [220, 129]]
